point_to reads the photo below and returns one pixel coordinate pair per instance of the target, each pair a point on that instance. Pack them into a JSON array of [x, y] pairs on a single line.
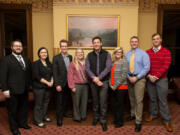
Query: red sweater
[[160, 62]]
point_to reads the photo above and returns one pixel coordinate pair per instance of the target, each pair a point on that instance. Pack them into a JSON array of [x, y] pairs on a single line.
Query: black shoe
[[130, 118], [68, 115], [95, 121], [25, 127], [59, 123], [16, 132], [118, 125], [79, 121], [137, 127], [83, 119], [104, 126]]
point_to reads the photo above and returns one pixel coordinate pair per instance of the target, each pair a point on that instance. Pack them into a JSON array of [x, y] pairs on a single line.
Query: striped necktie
[[21, 62]]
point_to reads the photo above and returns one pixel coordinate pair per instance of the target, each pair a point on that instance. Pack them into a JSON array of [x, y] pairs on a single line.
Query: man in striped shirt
[[157, 83]]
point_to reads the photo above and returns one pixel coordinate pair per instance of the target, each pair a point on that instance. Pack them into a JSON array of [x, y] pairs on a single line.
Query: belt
[[132, 75]]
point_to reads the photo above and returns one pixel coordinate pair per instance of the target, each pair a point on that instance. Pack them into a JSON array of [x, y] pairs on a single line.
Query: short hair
[[16, 40], [156, 34], [115, 51], [63, 41], [136, 37], [96, 38]]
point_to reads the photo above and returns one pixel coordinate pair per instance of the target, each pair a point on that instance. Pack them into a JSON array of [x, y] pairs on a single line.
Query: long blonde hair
[[76, 59], [114, 52]]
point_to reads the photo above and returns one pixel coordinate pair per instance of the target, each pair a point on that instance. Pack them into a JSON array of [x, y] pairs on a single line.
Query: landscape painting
[[81, 30]]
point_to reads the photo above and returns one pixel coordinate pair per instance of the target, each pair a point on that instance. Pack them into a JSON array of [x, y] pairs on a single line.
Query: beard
[[17, 53]]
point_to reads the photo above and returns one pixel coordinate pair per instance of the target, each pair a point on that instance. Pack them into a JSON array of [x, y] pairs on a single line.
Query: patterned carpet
[[84, 128]]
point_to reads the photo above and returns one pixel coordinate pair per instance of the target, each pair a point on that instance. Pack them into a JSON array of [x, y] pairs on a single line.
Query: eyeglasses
[[20, 46]]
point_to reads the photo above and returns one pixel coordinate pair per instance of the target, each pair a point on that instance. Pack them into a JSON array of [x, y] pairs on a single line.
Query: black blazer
[[40, 71], [13, 77], [59, 70]]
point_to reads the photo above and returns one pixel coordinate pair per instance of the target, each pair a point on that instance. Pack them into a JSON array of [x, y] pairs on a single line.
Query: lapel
[[25, 61], [61, 59], [15, 59]]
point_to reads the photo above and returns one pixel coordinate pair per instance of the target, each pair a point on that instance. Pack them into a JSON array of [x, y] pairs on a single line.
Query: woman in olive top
[[118, 84], [78, 83], [43, 81]]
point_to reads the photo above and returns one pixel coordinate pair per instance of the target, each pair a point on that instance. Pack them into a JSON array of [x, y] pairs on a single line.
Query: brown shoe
[[150, 118], [168, 126]]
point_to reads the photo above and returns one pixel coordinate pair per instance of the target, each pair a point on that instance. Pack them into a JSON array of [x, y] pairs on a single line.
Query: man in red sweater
[[160, 59]]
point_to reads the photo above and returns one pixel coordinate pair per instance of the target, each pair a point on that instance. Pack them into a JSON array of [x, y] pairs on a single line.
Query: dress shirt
[[17, 57], [141, 62], [66, 60]]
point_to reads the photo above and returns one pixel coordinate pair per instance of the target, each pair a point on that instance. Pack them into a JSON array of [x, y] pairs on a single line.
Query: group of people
[[122, 73]]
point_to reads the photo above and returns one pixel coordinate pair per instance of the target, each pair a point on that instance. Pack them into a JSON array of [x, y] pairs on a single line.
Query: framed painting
[[82, 28]]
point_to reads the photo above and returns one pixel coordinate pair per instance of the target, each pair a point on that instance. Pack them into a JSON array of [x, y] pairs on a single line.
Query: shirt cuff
[[139, 76], [6, 92]]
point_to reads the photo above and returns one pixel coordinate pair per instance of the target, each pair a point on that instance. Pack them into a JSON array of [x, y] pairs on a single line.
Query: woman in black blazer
[[43, 81]]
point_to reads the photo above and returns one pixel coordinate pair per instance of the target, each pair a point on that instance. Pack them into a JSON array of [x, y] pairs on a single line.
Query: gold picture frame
[[82, 28]]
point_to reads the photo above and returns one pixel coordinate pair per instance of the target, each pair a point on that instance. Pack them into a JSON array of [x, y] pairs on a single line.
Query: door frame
[[161, 9], [28, 9]]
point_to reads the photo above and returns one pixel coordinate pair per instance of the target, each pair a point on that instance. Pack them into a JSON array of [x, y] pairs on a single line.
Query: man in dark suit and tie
[[16, 80], [60, 66]]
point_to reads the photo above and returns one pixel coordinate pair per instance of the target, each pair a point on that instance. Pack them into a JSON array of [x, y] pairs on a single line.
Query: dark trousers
[[158, 91], [99, 95], [61, 102], [17, 106], [42, 98], [118, 101]]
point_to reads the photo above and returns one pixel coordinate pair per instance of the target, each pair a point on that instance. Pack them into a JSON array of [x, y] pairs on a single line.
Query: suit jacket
[[59, 70], [13, 77], [40, 71]]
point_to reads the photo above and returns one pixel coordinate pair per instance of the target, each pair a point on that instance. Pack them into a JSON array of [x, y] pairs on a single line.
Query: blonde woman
[[78, 83], [118, 84]]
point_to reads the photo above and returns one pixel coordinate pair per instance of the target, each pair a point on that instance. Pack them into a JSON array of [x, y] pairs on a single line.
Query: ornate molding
[[41, 5], [47, 5], [90, 3], [151, 5]]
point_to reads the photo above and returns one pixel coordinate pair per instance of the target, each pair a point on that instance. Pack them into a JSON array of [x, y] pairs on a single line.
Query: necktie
[[156, 50], [132, 62], [21, 62]]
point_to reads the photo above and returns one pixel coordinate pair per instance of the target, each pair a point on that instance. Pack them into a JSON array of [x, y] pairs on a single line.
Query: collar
[[134, 49], [100, 51], [65, 55], [16, 55], [159, 48]]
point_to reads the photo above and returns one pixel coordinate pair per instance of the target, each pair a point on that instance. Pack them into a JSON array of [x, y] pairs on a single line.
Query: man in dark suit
[[16, 79], [60, 66]]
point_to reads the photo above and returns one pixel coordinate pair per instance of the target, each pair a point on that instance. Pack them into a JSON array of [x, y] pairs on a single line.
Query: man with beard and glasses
[[16, 80]]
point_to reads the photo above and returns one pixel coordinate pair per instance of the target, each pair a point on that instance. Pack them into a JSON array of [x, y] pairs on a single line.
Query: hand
[[51, 84], [6, 94], [112, 87], [152, 78], [73, 89], [59, 88], [133, 79], [99, 83], [48, 84], [95, 79]]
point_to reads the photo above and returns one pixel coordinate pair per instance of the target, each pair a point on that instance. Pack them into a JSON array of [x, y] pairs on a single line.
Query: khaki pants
[[136, 95]]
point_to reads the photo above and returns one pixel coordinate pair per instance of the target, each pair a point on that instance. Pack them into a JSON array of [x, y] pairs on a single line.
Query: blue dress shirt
[[141, 63]]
